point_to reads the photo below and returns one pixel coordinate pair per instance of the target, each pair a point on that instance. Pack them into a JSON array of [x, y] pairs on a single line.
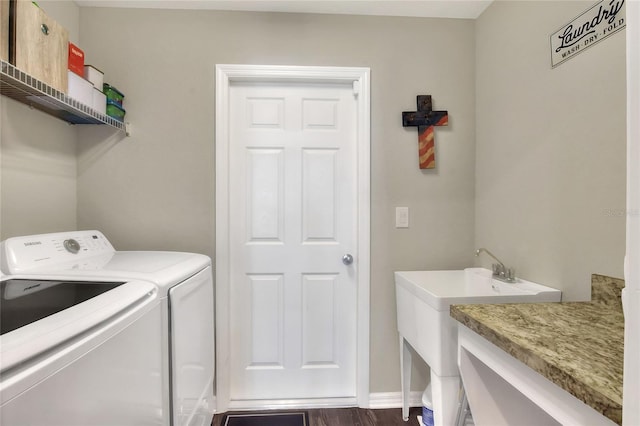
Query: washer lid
[[109, 301], [23, 301]]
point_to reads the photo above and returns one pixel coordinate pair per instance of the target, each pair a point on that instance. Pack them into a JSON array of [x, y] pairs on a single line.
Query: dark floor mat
[[299, 418]]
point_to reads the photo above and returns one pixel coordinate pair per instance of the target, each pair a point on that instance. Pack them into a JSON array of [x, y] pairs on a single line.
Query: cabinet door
[[41, 45], [4, 30]]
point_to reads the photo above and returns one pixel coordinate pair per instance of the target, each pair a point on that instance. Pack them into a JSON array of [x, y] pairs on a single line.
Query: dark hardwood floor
[[352, 417]]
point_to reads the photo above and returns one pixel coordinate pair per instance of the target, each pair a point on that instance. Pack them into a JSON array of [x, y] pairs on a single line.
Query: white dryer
[[184, 283]]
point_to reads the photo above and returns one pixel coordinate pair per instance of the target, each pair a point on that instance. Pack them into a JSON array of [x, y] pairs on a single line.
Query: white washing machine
[[185, 321], [80, 352]]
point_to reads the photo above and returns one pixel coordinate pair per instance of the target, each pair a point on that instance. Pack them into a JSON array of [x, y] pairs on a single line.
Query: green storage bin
[[112, 94], [115, 111]]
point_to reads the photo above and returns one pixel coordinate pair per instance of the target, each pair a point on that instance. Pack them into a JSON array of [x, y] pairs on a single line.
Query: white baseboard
[[393, 399], [377, 400], [288, 404]]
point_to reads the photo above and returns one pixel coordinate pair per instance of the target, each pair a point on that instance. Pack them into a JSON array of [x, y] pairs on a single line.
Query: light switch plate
[[402, 217]]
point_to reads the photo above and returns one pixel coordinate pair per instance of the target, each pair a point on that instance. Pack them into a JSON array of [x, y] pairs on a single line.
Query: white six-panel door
[[293, 216]]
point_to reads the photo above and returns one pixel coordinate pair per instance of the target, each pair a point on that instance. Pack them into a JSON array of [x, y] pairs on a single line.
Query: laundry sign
[[592, 26]]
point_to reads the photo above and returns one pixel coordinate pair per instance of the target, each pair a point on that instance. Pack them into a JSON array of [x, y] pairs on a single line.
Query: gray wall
[[38, 158], [156, 189], [551, 148]]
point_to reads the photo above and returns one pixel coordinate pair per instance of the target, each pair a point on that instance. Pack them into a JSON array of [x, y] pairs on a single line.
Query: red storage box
[[76, 60]]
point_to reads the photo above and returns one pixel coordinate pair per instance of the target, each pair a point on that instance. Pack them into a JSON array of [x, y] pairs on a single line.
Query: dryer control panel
[[21, 254]]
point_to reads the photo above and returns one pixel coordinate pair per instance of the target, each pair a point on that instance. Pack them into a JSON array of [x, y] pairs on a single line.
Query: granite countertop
[[576, 345]]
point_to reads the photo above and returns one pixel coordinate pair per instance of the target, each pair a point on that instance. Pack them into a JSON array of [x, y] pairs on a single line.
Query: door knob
[[347, 259]]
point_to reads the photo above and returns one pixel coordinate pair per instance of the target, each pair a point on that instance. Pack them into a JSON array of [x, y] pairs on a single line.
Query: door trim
[[225, 75]]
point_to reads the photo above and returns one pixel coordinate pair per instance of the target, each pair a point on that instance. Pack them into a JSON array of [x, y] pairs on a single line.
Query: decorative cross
[[425, 119]]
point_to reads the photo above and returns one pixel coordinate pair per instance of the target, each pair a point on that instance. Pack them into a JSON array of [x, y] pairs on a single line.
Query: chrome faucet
[[500, 271]]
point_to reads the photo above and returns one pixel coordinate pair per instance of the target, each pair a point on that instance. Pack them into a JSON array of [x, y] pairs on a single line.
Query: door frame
[[359, 77]]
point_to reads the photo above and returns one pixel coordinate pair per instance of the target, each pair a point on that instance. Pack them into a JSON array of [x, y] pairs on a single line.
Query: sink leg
[[405, 376], [445, 391]]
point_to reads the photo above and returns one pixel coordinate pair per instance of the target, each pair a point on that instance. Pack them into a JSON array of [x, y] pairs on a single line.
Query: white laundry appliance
[[179, 342]]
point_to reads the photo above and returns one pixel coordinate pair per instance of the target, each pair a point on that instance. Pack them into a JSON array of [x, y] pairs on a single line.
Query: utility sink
[[440, 289], [423, 299]]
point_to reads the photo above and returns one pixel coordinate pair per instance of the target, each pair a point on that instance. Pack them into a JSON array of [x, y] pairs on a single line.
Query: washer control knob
[[71, 245]]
